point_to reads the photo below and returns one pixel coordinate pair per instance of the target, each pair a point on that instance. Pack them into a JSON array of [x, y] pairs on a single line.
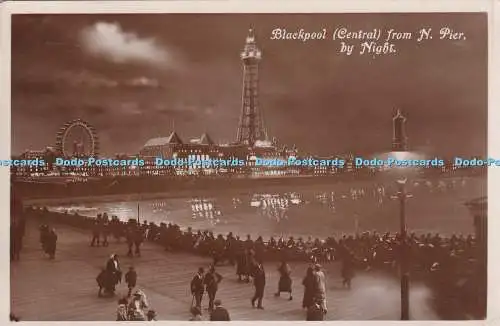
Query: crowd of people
[[430, 255], [314, 299], [366, 250]]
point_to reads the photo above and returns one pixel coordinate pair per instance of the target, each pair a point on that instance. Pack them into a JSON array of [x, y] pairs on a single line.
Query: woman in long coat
[[285, 282], [347, 270], [114, 271], [243, 266], [308, 283]]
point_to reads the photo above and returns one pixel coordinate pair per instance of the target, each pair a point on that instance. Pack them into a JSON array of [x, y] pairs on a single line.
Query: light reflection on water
[[436, 206]]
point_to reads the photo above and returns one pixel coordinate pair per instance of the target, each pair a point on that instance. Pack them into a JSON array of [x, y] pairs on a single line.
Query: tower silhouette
[[399, 139], [251, 125]]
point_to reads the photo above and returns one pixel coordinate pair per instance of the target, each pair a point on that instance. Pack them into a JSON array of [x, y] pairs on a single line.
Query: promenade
[[65, 289]]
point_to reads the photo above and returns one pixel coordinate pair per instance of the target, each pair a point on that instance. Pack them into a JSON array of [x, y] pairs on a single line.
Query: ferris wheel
[[77, 138]]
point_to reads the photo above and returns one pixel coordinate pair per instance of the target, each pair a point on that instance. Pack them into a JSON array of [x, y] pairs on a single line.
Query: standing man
[[44, 234], [211, 281], [259, 282], [96, 231], [347, 270], [197, 287], [130, 235], [131, 280], [231, 248], [218, 250], [16, 238], [52, 243], [138, 239], [105, 228]]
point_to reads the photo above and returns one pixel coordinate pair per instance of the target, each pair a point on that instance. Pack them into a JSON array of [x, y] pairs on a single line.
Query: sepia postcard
[[228, 161]]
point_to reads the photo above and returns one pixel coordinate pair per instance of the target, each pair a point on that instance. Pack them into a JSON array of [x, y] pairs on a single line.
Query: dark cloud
[[136, 76]]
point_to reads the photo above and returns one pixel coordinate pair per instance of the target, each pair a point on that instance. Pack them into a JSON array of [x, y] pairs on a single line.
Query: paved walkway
[[65, 289]]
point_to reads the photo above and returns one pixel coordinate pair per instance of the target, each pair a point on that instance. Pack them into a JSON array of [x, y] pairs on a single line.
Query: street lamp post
[[405, 277], [479, 210], [399, 145], [138, 218]]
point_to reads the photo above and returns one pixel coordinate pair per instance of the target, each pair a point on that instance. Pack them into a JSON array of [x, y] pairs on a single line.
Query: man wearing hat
[[131, 280], [259, 282], [197, 287], [211, 282], [219, 313]]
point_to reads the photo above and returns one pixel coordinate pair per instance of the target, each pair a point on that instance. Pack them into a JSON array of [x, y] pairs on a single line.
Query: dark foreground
[[64, 289]]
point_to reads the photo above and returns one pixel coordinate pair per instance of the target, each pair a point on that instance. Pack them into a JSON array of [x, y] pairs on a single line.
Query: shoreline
[[203, 191], [236, 187], [88, 206]]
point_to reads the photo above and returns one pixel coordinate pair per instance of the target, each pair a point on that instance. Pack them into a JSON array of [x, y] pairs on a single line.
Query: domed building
[[205, 149]]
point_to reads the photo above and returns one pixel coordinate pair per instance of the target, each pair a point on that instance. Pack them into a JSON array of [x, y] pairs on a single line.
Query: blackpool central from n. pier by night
[[252, 147]]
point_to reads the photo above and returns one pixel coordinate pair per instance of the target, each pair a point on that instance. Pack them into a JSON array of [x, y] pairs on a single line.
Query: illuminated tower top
[[251, 52], [399, 139], [251, 125]]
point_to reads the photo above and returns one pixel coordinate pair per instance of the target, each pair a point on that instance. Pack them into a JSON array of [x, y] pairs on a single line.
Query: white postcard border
[[274, 6]]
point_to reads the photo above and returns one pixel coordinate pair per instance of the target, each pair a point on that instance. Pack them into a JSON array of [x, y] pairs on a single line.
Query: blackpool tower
[[399, 139], [251, 125]]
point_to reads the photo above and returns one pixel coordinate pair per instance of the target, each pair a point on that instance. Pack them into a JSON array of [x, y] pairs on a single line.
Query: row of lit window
[[159, 169]]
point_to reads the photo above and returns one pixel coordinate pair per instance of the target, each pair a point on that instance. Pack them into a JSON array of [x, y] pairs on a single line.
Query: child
[[131, 280], [121, 312], [151, 315]]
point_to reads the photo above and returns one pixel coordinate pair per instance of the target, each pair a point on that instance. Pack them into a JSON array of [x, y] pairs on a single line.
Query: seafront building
[[251, 142]]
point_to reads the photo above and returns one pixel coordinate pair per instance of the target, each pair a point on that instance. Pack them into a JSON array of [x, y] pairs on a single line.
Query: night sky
[[135, 77]]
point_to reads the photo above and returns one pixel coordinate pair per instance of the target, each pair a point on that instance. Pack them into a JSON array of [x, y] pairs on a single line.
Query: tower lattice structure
[[251, 126]]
